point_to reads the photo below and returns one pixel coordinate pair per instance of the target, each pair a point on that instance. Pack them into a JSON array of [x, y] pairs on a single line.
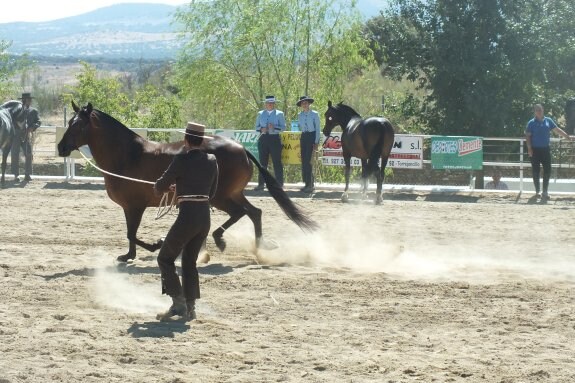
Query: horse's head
[[339, 114], [77, 133], [331, 119]]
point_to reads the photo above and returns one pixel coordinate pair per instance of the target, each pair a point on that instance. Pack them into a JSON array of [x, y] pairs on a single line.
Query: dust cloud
[[117, 288], [358, 247]]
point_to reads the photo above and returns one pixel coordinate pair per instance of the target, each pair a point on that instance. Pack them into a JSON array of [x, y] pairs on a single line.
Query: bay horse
[[367, 139], [118, 150], [10, 112]]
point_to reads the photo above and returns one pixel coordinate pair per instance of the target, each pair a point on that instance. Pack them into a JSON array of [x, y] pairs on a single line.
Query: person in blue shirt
[[308, 122], [538, 137], [270, 123]]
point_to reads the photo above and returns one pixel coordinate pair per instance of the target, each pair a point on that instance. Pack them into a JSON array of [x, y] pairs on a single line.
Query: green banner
[[464, 153]]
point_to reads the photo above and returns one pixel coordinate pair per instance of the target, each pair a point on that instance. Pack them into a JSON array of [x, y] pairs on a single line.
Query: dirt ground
[[424, 288]]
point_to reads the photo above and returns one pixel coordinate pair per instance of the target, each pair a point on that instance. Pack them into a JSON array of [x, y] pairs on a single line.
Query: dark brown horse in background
[[367, 139], [118, 150]]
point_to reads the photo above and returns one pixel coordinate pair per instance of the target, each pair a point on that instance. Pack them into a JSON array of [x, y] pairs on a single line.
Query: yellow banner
[[291, 152]]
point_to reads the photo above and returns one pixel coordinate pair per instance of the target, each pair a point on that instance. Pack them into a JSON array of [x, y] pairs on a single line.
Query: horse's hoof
[[264, 244], [204, 257], [378, 200], [344, 198], [220, 243], [125, 257]]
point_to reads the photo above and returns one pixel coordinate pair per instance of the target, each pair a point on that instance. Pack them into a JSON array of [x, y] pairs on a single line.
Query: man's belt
[[193, 198]]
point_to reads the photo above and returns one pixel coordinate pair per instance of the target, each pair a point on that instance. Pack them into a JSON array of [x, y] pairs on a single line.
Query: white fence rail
[[507, 154]]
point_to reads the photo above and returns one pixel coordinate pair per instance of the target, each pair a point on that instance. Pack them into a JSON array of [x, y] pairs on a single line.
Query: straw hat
[[195, 129]]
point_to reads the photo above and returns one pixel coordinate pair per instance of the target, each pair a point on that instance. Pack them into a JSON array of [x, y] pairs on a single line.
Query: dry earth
[[424, 288]]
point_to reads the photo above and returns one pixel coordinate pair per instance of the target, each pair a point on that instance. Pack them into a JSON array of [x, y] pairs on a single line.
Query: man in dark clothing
[[308, 122], [538, 137], [195, 175], [270, 123], [29, 122]]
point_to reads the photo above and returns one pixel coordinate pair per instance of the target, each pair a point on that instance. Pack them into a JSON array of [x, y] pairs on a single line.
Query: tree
[[9, 67], [148, 107], [483, 63], [237, 51]]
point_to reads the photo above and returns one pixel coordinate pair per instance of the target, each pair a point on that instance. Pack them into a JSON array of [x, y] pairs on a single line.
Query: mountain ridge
[[120, 31], [130, 30]]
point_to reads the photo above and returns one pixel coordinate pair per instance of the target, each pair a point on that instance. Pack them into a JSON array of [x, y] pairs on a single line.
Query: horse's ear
[[89, 108], [75, 107], [329, 104]]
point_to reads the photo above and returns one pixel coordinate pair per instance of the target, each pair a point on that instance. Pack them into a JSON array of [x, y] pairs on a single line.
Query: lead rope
[[163, 207]]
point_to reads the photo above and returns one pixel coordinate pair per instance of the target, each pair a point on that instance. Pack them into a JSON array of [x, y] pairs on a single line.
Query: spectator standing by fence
[[24, 128], [538, 138], [308, 122], [270, 123]]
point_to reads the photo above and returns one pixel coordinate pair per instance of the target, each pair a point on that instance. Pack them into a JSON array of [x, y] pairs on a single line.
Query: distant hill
[[138, 31], [121, 31]]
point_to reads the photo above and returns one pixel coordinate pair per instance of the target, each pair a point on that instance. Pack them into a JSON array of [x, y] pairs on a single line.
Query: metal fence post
[[521, 166]]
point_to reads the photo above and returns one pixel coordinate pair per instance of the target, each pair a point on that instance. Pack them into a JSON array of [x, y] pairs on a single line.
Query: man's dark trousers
[[307, 140], [271, 144]]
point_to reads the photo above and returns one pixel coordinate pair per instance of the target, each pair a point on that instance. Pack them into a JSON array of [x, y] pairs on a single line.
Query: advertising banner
[[407, 152], [291, 151], [249, 139], [461, 153]]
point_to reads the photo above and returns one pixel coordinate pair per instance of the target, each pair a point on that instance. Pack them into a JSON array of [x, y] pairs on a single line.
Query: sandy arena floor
[[424, 288]]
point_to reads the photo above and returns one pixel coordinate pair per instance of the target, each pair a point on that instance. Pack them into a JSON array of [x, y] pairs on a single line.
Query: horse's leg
[[133, 220], [255, 215], [236, 212], [4, 157], [347, 160], [380, 178], [364, 177]]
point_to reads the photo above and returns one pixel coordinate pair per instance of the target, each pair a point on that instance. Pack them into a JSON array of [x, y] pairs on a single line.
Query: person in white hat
[[308, 122], [194, 176], [29, 122], [270, 123]]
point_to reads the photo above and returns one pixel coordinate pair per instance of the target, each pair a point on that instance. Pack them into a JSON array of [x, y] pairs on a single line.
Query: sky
[[46, 10]]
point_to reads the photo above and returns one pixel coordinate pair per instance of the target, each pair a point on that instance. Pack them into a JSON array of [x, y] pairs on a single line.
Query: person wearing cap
[[270, 123], [193, 176], [25, 126], [308, 122]]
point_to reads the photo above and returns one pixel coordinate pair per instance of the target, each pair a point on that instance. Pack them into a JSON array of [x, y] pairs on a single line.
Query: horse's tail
[[282, 199], [382, 147], [388, 140]]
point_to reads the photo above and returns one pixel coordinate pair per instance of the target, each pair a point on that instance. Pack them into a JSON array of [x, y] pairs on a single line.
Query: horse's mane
[[13, 105], [103, 119], [347, 110]]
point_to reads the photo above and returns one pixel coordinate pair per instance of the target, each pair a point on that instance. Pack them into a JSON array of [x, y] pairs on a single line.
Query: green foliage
[[10, 66], [237, 51], [402, 100], [148, 107], [483, 63]]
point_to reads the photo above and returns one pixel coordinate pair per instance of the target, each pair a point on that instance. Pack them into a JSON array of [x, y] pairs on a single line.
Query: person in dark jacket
[[193, 175], [28, 124]]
